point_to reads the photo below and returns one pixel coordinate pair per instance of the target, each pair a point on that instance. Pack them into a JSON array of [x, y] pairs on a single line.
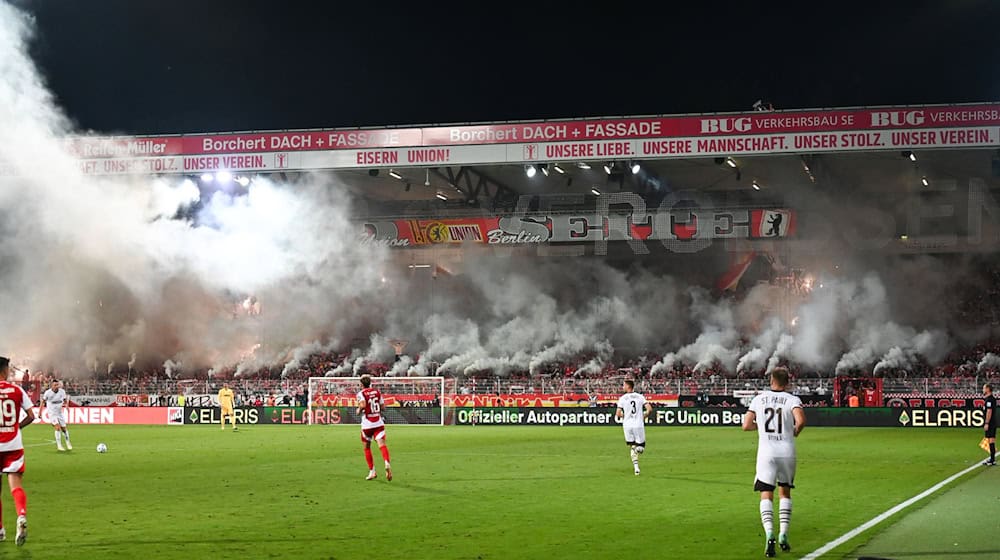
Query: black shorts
[[990, 432], [759, 486]]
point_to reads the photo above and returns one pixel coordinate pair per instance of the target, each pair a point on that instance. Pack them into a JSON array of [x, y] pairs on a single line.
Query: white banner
[[522, 153]]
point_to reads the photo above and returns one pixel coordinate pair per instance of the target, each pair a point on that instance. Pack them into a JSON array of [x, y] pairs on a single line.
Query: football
[[102, 448]]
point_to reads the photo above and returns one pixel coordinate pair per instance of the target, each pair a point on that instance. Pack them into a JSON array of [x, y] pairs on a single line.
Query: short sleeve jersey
[[372, 400], [54, 400], [13, 400], [633, 405], [775, 422]]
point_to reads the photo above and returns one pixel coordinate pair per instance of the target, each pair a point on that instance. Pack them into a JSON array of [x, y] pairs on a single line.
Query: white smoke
[[108, 267], [989, 361], [169, 368], [400, 367]]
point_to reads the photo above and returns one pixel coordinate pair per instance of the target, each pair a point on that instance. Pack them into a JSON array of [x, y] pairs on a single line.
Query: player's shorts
[[635, 435], [774, 471], [57, 419], [990, 432], [12, 461], [368, 434], [227, 411]]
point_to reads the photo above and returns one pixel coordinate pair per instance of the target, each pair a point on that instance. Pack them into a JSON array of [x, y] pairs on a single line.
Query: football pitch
[[490, 492]]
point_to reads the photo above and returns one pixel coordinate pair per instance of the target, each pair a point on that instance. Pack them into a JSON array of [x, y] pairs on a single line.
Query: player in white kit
[[633, 411], [778, 418], [54, 399]]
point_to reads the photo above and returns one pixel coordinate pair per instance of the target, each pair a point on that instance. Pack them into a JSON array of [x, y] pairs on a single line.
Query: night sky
[[132, 66]]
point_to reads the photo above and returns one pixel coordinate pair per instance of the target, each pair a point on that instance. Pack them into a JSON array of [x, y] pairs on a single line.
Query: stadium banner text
[[146, 415], [815, 417], [660, 137], [909, 417], [676, 225], [288, 415]]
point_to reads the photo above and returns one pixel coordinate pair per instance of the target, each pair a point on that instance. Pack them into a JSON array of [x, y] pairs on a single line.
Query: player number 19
[[8, 413]]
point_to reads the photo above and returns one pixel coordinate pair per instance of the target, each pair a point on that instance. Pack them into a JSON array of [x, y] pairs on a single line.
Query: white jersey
[[775, 423], [54, 401], [633, 405]]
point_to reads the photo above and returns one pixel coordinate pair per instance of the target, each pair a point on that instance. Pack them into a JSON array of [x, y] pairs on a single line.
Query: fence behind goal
[[408, 400]]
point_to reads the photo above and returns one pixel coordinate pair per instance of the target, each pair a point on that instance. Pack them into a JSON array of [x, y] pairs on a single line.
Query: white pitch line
[[885, 515]]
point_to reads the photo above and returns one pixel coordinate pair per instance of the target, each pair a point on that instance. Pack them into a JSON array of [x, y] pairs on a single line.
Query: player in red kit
[[13, 400], [372, 426]]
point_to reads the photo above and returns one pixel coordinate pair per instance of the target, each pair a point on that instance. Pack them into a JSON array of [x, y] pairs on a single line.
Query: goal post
[[408, 400]]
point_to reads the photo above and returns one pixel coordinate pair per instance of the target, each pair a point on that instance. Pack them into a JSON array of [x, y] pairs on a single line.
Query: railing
[[542, 384]]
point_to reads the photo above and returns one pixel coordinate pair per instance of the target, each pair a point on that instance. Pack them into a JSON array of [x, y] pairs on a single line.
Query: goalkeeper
[[226, 405]]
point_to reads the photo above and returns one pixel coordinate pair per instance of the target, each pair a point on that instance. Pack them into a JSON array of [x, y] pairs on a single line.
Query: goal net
[[408, 400]]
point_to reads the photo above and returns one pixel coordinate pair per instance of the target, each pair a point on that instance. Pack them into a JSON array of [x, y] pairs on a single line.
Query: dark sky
[[215, 65]]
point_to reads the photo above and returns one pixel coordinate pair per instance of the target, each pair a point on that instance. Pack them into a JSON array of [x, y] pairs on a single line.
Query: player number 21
[[769, 415], [8, 413]]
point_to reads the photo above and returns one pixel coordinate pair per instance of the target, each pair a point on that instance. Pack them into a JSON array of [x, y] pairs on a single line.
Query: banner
[[675, 225], [212, 415], [733, 417], [110, 415], [917, 400], [132, 400], [684, 136], [548, 416], [545, 400]]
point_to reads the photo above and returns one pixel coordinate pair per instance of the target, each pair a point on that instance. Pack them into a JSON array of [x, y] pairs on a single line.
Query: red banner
[[585, 130]]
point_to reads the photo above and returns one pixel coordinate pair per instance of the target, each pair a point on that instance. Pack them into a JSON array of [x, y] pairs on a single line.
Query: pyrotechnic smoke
[[989, 361], [98, 269], [105, 270]]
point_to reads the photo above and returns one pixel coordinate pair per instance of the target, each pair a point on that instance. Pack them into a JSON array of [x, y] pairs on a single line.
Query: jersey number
[[374, 407], [8, 413], [633, 407], [769, 415]]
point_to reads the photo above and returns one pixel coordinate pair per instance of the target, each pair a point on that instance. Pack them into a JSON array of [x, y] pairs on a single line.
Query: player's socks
[[3, 534], [59, 445], [370, 459], [993, 453], [68, 444], [20, 501], [784, 516], [767, 517], [384, 449]]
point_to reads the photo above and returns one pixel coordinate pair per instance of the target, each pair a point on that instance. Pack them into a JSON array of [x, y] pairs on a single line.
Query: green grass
[[459, 492]]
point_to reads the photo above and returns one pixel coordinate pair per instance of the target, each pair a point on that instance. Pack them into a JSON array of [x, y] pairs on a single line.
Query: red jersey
[[870, 397], [13, 400], [371, 398]]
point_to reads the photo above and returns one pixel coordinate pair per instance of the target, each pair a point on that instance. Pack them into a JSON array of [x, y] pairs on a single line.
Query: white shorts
[[776, 471], [635, 435], [57, 419]]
